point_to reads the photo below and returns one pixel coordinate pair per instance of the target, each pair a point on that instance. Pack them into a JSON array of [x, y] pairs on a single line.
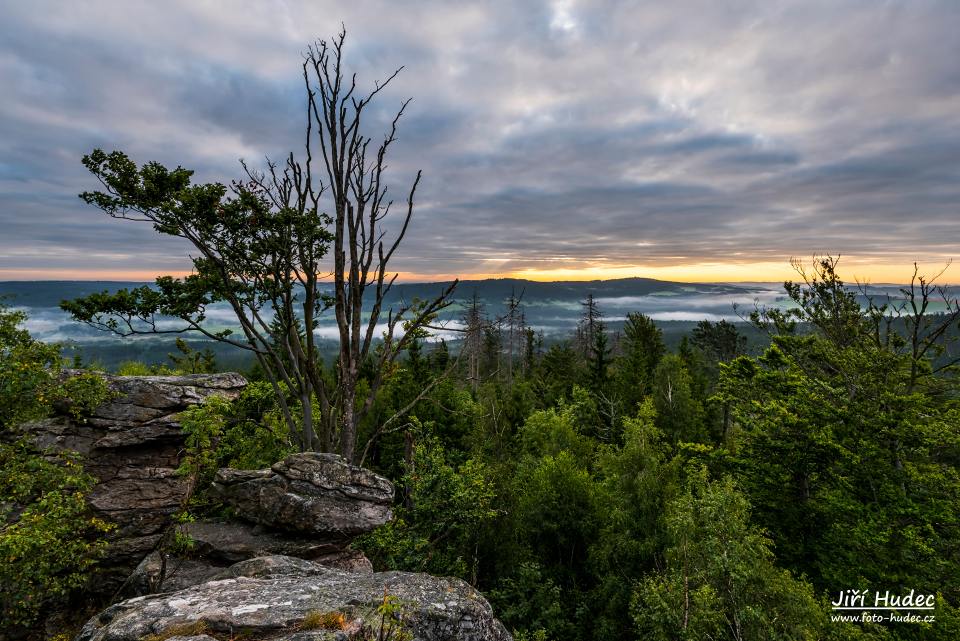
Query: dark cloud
[[551, 134]]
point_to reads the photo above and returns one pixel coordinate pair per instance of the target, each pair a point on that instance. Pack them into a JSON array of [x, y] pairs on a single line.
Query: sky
[[690, 141]]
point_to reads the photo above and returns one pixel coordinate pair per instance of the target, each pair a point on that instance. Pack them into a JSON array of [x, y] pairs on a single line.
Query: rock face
[[309, 506], [276, 597], [309, 493], [228, 543], [219, 544], [132, 444]]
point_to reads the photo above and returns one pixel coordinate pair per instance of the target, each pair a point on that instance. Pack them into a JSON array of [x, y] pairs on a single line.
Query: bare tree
[[355, 185], [262, 246], [474, 322]]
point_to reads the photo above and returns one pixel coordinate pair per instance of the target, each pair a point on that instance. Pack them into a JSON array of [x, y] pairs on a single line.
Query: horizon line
[[778, 283], [852, 269]]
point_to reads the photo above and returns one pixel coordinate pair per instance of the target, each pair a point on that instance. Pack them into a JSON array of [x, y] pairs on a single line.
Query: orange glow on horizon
[[851, 270], [133, 276]]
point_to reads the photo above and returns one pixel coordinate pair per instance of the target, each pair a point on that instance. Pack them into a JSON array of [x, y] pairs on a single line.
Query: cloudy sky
[[683, 140]]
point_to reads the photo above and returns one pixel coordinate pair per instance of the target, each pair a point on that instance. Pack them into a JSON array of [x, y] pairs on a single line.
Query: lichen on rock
[[269, 597]]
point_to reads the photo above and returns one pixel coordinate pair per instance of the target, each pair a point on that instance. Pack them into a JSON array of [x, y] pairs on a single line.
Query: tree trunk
[[348, 426]]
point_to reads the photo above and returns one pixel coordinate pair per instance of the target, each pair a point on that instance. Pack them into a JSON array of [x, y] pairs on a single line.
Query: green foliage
[[438, 531], [852, 466], [252, 272], [556, 430], [49, 542], [560, 370], [137, 368], [556, 515], [81, 394], [29, 369], [639, 525], [649, 505], [202, 426], [192, 361], [679, 415], [721, 341], [254, 435], [531, 603], [245, 433], [720, 581], [643, 348], [392, 625], [636, 481]]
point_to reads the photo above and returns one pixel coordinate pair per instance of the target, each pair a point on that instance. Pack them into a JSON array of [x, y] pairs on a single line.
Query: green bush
[[49, 541], [719, 580], [438, 530]]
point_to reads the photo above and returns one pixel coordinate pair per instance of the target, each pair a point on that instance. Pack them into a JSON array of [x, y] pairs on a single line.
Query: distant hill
[[552, 308], [501, 288], [49, 293]]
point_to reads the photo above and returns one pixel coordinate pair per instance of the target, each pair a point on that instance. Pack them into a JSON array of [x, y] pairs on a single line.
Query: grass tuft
[[317, 620]]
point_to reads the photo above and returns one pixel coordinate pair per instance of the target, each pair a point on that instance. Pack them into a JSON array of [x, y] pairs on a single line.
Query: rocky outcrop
[[286, 599], [286, 562], [310, 493], [309, 506], [133, 444]]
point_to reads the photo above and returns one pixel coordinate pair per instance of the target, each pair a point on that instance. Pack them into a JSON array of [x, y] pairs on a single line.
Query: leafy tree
[[191, 360], [28, 381], [557, 517], [261, 246], [531, 603], [439, 531], [642, 345], [849, 456], [138, 368], [555, 430], [721, 340], [560, 370], [637, 480], [720, 580], [49, 541], [678, 414], [599, 361], [253, 435]]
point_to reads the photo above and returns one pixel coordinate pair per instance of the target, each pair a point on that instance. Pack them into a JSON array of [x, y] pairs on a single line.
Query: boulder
[[285, 599], [133, 444], [220, 544], [309, 493]]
